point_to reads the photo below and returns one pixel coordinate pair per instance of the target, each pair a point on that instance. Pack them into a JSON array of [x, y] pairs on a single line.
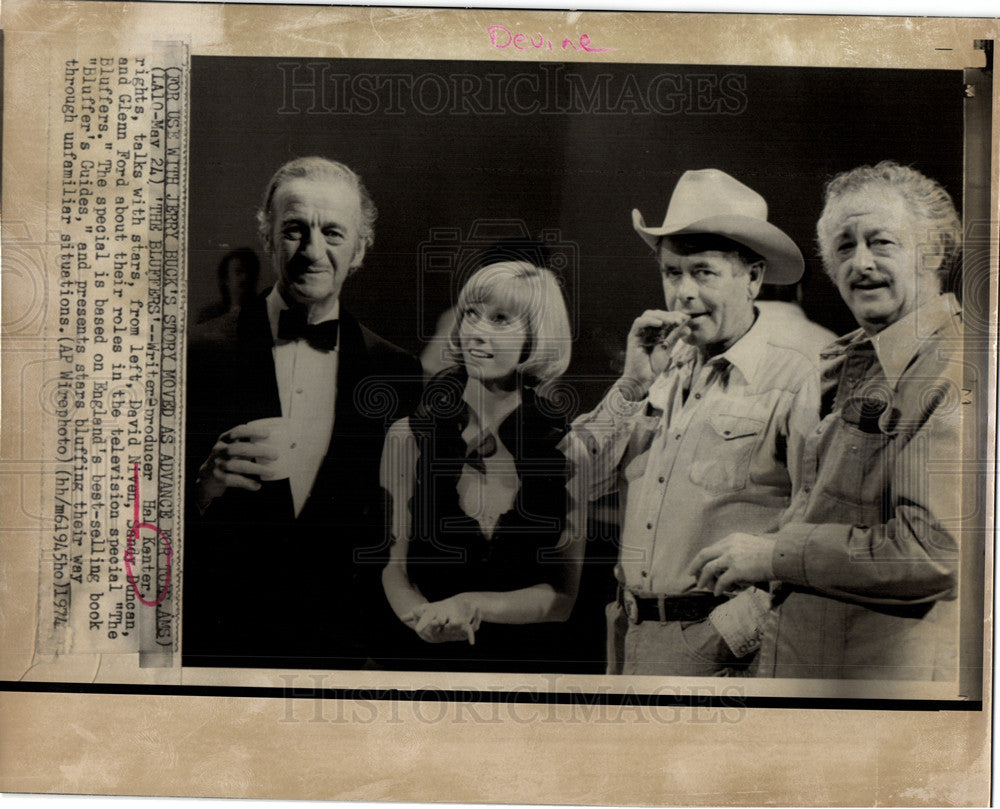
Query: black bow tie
[[292, 325]]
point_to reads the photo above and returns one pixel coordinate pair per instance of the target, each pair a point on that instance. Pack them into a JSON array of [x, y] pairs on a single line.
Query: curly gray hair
[[926, 199]]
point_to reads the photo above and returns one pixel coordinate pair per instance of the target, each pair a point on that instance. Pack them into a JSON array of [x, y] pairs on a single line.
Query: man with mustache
[[700, 434], [276, 572], [866, 558]]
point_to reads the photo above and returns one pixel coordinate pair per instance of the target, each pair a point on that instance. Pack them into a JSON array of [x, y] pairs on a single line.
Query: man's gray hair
[[926, 199], [313, 167]]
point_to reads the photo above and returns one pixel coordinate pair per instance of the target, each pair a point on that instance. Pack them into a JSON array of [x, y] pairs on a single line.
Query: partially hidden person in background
[[487, 534], [785, 302], [286, 418], [866, 561], [703, 433], [238, 273]]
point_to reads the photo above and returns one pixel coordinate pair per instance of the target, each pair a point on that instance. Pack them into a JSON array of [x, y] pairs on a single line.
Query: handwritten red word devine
[[502, 37], [133, 535]]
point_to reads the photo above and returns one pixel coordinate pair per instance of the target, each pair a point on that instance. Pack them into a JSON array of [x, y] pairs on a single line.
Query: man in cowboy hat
[[701, 432]]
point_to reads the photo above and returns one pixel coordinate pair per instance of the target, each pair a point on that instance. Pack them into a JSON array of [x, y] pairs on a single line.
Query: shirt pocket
[[722, 456], [856, 471]]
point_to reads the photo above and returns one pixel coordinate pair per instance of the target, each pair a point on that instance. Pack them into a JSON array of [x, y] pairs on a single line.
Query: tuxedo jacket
[[263, 587]]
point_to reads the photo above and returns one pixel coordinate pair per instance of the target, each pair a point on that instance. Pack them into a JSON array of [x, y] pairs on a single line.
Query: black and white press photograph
[[566, 406], [629, 369]]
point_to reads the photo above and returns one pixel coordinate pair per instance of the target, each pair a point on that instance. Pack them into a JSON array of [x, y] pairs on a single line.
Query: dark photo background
[[437, 162], [453, 168]]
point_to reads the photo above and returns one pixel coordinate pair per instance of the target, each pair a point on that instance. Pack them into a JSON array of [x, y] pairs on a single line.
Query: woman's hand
[[452, 619]]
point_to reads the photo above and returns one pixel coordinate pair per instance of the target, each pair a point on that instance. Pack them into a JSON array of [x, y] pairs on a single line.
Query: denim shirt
[[878, 498], [869, 545]]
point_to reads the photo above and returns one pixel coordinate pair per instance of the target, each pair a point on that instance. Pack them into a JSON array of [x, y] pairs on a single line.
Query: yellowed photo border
[[707, 748]]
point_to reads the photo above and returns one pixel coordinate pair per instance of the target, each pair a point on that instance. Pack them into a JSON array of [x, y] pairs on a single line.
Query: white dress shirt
[[307, 386]]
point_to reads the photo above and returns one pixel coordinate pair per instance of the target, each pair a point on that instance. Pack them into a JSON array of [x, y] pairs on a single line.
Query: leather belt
[[691, 606]]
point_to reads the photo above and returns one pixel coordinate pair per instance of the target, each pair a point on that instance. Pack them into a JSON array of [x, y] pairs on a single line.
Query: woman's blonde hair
[[532, 293]]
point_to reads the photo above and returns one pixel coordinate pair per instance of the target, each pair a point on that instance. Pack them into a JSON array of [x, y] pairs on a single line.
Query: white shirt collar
[[744, 355]]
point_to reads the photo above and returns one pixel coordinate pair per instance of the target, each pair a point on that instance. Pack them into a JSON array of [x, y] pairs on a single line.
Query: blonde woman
[[487, 539]]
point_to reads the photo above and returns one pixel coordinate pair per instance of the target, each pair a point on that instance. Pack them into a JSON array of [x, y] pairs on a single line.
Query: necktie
[[292, 325]]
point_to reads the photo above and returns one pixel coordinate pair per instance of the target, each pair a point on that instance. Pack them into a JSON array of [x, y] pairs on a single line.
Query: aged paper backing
[[241, 745]]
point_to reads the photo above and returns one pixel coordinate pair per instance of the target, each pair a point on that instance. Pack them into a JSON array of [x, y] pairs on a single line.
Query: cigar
[[652, 336]]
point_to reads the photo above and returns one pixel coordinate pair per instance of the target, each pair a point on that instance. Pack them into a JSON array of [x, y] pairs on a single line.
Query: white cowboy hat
[[710, 201]]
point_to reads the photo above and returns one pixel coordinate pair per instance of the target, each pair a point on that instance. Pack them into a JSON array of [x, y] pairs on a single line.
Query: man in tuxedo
[[283, 518]]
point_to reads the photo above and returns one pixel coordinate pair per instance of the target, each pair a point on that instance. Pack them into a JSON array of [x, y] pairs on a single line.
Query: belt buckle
[[631, 607]]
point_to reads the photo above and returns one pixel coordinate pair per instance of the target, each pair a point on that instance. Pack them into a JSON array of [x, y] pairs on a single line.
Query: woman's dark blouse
[[448, 552]]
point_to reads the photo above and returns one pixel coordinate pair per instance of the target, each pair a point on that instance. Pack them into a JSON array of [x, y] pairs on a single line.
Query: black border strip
[[468, 695]]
